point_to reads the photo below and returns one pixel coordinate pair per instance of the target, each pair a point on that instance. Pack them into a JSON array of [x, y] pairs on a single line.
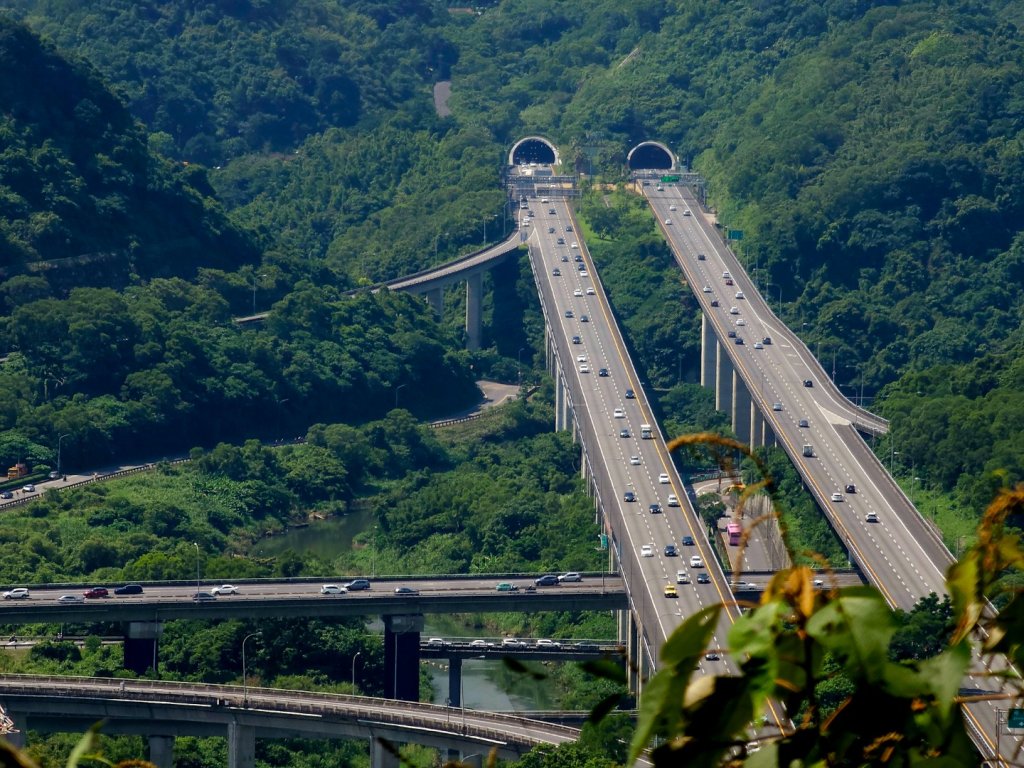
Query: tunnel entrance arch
[[533, 149], [651, 155]]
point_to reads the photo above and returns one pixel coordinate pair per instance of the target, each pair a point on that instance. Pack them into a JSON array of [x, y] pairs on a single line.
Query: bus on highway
[[735, 532]]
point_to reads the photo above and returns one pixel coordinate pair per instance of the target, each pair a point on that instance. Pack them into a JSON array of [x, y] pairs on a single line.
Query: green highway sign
[[1015, 718], [735, 234]]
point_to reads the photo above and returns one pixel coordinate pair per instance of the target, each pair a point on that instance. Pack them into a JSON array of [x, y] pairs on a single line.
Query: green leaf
[[688, 642], [840, 626], [660, 706], [606, 669]]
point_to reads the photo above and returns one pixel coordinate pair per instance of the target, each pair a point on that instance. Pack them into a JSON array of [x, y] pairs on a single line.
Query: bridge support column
[[161, 751], [629, 638], [383, 757], [757, 427], [402, 657], [708, 352], [583, 462], [241, 746], [723, 380], [474, 298], [435, 298], [455, 682], [559, 403], [768, 437], [740, 408], [140, 645]]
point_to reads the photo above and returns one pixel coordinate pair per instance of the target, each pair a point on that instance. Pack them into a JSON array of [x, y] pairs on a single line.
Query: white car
[[696, 562], [871, 517], [481, 644], [672, 500], [332, 589], [646, 551], [590, 290], [28, 488], [584, 368], [70, 599], [778, 407], [581, 358], [726, 275], [618, 413], [740, 323], [706, 289], [584, 273], [758, 345], [671, 207], [225, 589], [634, 460], [837, 497], [739, 295], [438, 641], [547, 645], [513, 642], [668, 221], [578, 292], [18, 593], [663, 478], [686, 212], [575, 245], [570, 577], [682, 577], [734, 310]]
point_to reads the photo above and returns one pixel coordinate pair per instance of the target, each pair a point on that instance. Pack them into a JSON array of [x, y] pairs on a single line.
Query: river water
[[485, 684]]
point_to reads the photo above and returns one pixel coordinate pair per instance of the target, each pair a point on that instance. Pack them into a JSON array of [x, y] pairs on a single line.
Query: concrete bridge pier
[[757, 427], [455, 682], [141, 640], [474, 299], [402, 657], [584, 470], [161, 751], [741, 405], [435, 298], [19, 739], [723, 380], [708, 352], [241, 746], [559, 404], [383, 757], [629, 638]]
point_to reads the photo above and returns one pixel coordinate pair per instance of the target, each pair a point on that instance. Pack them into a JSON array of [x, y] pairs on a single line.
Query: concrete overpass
[[162, 710]]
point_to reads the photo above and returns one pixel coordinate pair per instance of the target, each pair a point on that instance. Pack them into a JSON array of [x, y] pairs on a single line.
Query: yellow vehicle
[[670, 590]]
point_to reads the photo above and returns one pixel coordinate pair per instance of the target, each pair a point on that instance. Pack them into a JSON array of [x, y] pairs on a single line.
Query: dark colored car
[[655, 509], [406, 591], [670, 550], [603, 372], [547, 580], [732, 334], [703, 578], [808, 383], [96, 592], [357, 584], [851, 488], [576, 340], [714, 302], [630, 394], [128, 589], [629, 496], [688, 541], [700, 257], [584, 319], [623, 433], [6, 495], [578, 257], [766, 340], [204, 597], [568, 227], [739, 339]]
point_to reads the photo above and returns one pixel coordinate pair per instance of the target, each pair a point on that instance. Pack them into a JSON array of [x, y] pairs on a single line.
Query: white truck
[[646, 432]]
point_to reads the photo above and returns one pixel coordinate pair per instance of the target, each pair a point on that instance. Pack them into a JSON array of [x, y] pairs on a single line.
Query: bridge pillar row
[[474, 300], [723, 379], [567, 411], [435, 298], [241, 746], [741, 404], [708, 352], [583, 462], [161, 751]]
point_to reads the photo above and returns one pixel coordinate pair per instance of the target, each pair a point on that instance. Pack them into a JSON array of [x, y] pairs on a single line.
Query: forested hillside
[[82, 200], [870, 152]]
